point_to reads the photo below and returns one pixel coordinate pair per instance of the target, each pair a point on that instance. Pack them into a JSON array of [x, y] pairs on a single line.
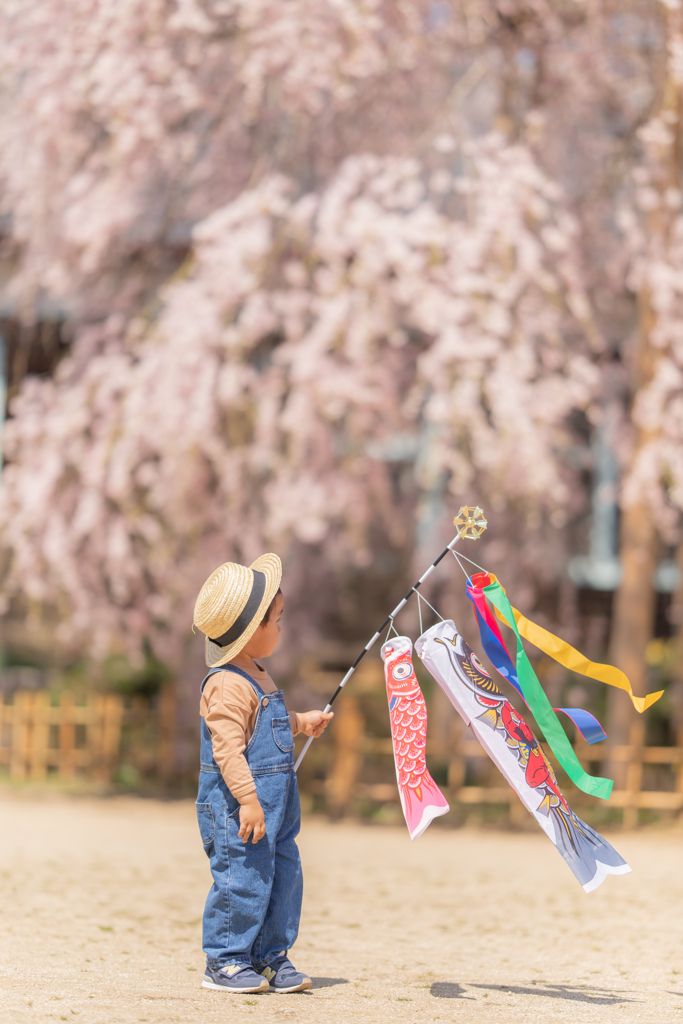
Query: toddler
[[247, 786]]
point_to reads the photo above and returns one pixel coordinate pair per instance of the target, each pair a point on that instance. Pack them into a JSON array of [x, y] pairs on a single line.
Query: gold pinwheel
[[470, 522]]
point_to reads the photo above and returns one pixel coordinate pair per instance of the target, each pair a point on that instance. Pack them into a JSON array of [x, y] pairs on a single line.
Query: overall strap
[[233, 668], [207, 677]]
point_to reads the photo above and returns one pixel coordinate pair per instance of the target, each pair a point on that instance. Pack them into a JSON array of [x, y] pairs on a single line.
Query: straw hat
[[232, 603]]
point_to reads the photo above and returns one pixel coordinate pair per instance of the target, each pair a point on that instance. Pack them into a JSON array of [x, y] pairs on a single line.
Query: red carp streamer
[[421, 798]]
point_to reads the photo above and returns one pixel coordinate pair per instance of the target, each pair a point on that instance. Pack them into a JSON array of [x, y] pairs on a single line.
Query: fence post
[[634, 774], [5, 730], [679, 770], [456, 762], [20, 717], [112, 710], [67, 736], [39, 735], [347, 739]]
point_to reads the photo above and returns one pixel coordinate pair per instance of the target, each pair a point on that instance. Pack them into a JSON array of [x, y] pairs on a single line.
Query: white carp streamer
[[512, 746]]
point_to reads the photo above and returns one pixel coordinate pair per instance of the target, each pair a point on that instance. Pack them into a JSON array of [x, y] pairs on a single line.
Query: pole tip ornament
[[470, 522]]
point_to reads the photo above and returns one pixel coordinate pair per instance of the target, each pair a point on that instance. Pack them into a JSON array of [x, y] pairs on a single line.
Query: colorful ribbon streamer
[[566, 655], [562, 652], [498, 655], [536, 699]]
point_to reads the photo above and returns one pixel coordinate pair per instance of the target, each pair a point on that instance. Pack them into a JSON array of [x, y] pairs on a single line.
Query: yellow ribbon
[[575, 661]]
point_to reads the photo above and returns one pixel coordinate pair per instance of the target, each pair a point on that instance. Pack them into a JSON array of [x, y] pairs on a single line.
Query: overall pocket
[[282, 734], [206, 825]]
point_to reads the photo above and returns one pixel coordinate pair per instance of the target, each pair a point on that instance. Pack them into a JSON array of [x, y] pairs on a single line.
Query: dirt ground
[[102, 900]]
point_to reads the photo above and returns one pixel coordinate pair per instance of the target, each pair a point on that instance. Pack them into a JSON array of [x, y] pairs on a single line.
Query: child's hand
[[251, 820], [314, 723]]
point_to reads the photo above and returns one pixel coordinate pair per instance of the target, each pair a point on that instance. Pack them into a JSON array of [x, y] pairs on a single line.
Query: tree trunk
[[676, 690], [632, 624], [633, 618]]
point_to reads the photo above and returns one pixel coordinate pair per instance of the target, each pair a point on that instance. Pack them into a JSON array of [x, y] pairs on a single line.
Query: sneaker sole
[[294, 988], [236, 991]]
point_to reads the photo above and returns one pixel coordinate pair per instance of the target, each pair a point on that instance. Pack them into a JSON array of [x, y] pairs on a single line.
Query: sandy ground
[[101, 911]]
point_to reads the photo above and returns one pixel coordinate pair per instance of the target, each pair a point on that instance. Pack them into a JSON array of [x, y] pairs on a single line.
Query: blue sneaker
[[235, 978], [283, 976]]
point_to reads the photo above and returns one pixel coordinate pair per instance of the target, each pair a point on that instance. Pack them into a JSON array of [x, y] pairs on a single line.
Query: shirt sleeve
[[229, 707]]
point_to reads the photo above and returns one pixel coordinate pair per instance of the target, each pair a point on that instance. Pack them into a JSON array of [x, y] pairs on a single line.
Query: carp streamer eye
[[401, 671], [478, 665]]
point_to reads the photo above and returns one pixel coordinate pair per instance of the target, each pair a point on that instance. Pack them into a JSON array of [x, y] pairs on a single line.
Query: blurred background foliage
[[307, 277]]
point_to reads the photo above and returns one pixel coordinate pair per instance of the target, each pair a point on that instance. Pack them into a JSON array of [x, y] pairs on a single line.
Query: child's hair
[[266, 618]]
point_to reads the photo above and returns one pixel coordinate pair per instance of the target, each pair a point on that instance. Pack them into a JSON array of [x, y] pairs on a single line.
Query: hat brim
[[271, 566]]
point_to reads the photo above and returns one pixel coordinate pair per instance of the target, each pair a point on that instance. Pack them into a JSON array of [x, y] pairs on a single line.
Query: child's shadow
[[575, 993], [327, 982], [448, 990]]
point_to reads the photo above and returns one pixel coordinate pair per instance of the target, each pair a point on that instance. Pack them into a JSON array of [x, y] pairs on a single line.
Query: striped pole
[[373, 640]]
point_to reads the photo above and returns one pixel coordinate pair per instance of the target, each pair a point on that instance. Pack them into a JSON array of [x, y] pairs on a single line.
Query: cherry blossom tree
[[326, 265], [129, 123], [256, 406]]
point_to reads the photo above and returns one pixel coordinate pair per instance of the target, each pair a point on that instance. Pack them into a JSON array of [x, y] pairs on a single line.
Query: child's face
[[267, 636]]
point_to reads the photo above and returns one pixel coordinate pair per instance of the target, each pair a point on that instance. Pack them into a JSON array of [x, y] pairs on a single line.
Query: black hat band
[[246, 616]]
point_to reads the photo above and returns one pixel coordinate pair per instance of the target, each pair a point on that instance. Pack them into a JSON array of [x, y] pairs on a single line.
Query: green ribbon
[[541, 707]]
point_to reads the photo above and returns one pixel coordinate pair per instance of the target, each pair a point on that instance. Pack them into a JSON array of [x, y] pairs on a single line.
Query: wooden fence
[[653, 777], [629, 800], [109, 738], [96, 737], [352, 748]]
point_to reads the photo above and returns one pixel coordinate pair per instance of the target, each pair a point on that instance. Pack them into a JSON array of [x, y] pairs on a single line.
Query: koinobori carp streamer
[[421, 798], [507, 739]]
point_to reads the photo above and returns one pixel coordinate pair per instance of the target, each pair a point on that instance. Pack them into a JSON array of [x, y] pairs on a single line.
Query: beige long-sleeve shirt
[[229, 706]]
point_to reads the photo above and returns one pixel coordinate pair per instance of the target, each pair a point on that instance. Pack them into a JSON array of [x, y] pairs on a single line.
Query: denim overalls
[[253, 908]]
